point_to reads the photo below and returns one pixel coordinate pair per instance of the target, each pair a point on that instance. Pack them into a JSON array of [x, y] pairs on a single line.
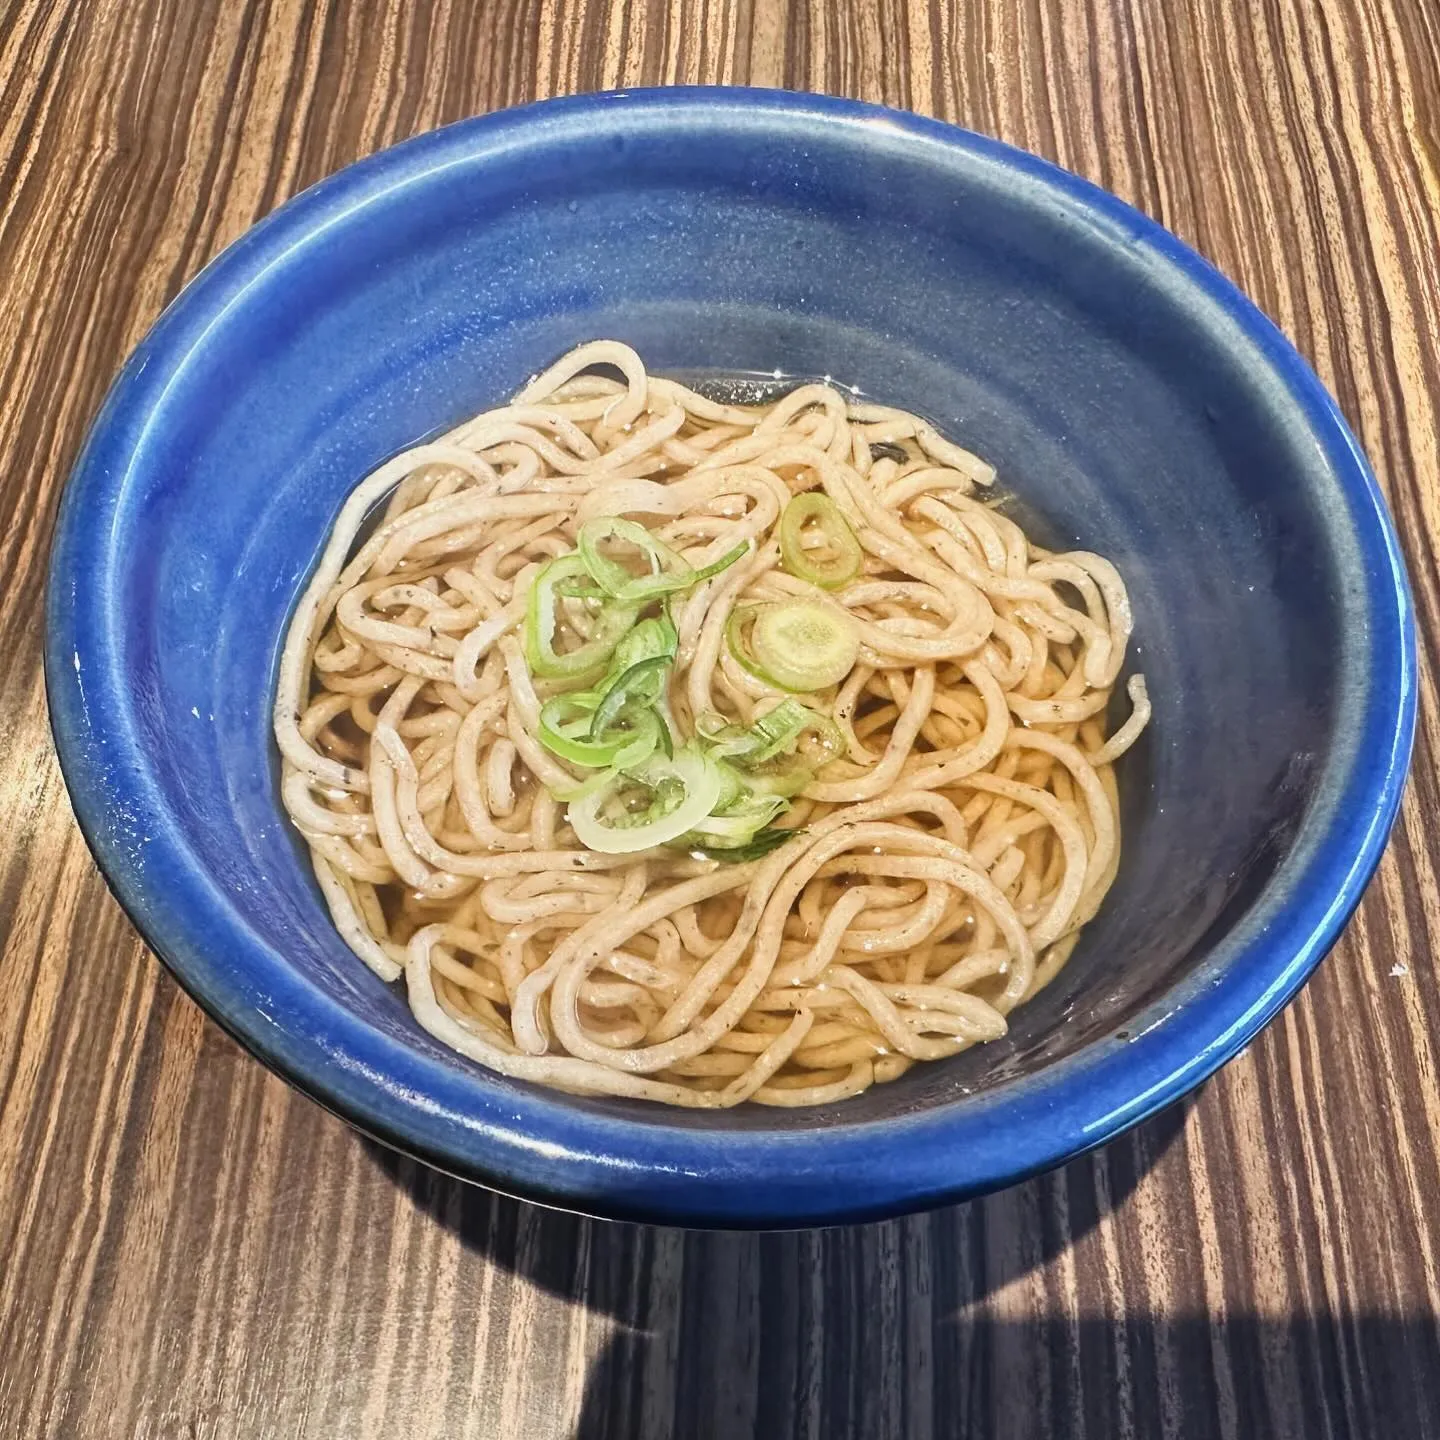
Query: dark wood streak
[[189, 1249]]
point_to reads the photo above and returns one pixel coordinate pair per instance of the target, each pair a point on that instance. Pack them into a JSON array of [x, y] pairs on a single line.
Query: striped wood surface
[[187, 1249]]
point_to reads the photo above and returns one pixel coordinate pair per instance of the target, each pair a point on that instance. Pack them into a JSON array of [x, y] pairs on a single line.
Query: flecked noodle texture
[[861, 717]]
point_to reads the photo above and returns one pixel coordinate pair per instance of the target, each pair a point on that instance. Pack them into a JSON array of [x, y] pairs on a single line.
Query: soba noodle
[[879, 721]]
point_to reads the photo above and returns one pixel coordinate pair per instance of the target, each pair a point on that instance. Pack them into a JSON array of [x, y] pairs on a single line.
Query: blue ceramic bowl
[[1128, 393]]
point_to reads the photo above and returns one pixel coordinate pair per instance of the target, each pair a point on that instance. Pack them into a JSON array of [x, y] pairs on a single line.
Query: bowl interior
[[1126, 421]]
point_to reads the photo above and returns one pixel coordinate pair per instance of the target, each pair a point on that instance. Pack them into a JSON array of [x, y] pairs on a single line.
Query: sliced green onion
[[732, 785], [717, 732], [768, 758], [801, 645], [779, 729], [651, 804], [649, 640], [740, 822], [635, 680], [776, 732], [737, 817], [669, 572], [759, 845], [639, 687], [836, 559], [707, 572], [566, 729], [786, 775], [790, 774], [712, 727], [735, 624], [825, 742], [611, 575], [610, 623], [580, 587], [727, 741]]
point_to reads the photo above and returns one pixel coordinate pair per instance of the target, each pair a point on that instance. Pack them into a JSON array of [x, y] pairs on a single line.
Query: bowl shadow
[[722, 1332]]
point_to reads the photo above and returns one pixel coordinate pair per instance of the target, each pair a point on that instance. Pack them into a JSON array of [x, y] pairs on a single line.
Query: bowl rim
[[536, 1143]]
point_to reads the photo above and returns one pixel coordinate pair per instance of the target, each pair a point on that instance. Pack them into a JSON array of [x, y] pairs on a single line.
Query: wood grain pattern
[[188, 1249]]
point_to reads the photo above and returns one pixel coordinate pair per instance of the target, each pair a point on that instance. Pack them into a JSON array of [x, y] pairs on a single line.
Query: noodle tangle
[[799, 630]]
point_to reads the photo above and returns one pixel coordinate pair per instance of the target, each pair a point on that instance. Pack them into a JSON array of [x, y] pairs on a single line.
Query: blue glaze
[[1130, 396]]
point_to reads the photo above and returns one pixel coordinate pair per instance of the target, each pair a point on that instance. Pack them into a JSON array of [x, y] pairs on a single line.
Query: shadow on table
[[877, 1330]]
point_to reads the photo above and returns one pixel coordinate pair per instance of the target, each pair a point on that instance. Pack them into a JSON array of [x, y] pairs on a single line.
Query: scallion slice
[[610, 621], [567, 729], [778, 731], [638, 688], [757, 847], [802, 645], [647, 805], [738, 823], [610, 574], [669, 572], [816, 543]]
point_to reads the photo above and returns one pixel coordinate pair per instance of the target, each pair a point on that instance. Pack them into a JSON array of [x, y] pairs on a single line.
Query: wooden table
[[190, 1249]]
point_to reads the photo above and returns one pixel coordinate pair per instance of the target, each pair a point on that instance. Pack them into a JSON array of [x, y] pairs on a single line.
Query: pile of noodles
[[941, 868]]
